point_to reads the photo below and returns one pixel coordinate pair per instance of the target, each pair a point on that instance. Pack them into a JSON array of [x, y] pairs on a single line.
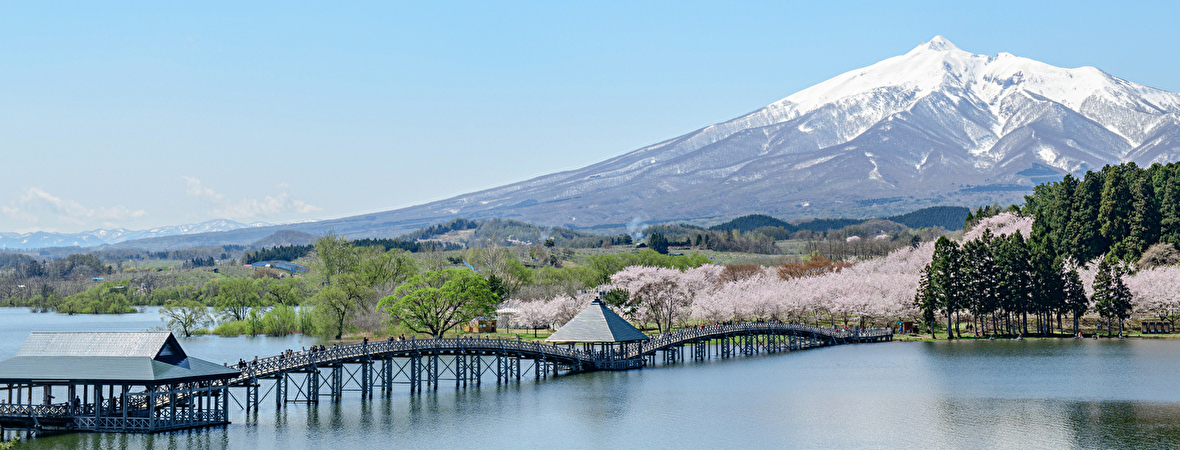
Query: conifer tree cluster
[[1000, 281], [1118, 212]]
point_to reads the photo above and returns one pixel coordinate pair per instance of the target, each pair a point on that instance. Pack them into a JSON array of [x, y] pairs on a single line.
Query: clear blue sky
[[159, 113]]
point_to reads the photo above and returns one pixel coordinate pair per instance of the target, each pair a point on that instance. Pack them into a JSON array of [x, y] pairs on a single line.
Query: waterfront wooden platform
[[124, 382]]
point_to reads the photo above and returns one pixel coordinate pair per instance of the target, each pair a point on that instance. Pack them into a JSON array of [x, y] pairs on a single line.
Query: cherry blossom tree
[[1155, 291], [665, 296], [1002, 223]]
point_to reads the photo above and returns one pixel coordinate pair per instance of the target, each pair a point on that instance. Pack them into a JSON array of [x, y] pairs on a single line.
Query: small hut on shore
[[603, 333]]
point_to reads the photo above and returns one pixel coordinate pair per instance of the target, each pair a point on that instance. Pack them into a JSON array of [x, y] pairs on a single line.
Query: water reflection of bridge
[[379, 366]]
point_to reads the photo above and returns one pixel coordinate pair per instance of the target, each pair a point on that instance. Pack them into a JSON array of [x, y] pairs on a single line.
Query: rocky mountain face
[[937, 125]]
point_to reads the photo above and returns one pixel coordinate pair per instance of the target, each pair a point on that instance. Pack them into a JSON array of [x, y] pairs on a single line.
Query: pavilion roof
[[597, 323], [107, 357]]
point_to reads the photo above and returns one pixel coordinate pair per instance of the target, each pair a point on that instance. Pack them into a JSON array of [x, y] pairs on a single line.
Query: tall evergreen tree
[[1123, 305], [1112, 298], [1015, 284], [980, 277], [1114, 211], [1169, 197], [946, 277], [1144, 226], [1074, 295], [1046, 270], [1085, 239], [927, 299], [1051, 207]]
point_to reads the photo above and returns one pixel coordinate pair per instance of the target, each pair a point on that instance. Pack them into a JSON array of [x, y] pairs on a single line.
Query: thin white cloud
[[194, 188], [37, 207], [247, 208]]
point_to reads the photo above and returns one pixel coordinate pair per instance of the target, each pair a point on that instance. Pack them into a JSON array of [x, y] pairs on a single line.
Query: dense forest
[[441, 229], [14, 260], [946, 217], [410, 246], [1118, 212], [280, 253], [855, 239]]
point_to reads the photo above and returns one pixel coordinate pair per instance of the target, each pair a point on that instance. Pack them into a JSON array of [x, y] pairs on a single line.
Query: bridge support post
[[337, 382], [434, 363], [279, 380], [478, 370], [387, 376], [252, 395], [413, 363], [499, 367], [366, 375], [460, 359], [313, 386]]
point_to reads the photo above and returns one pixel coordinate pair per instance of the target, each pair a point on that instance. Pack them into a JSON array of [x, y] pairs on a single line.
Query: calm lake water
[[985, 394]]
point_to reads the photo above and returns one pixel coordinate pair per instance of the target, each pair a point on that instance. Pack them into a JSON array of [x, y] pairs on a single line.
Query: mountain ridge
[[103, 236]]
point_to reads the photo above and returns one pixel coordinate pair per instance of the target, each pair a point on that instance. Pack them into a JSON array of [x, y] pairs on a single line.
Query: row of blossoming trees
[[875, 292], [871, 292]]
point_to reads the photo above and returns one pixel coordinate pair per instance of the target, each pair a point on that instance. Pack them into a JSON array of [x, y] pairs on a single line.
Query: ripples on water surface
[[985, 394]]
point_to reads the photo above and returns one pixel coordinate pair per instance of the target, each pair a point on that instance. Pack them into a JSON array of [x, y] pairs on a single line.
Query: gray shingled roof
[[146, 357], [597, 323], [143, 343]]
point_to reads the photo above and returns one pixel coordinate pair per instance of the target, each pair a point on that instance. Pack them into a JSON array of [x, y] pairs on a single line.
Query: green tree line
[[1119, 211]]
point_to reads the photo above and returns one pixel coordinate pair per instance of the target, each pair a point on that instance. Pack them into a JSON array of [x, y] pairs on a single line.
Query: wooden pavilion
[[604, 334], [126, 382]]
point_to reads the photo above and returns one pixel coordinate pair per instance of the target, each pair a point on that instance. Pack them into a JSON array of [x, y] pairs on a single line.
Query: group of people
[[243, 363]]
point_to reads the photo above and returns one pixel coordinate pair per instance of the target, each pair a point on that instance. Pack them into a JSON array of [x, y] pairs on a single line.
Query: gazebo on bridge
[[603, 333], [141, 382]]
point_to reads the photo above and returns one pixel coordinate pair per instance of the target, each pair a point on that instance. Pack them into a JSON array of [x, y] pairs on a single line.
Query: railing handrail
[[342, 353]]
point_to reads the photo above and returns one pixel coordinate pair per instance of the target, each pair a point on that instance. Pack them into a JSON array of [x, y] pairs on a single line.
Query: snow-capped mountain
[[937, 125], [99, 237]]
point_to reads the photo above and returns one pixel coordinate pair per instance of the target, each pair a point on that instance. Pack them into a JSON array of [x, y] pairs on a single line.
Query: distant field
[[153, 264], [791, 250]]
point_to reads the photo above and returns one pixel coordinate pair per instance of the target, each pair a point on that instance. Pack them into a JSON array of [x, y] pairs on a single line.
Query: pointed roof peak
[[597, 324], [150, 344]]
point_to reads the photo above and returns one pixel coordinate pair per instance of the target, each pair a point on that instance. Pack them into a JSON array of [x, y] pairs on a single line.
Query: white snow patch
[[806, 164], [875, 174]]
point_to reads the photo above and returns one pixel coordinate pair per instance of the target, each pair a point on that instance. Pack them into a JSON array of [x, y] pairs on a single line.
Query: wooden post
[[278, 388], [125, 396], [151, 408]]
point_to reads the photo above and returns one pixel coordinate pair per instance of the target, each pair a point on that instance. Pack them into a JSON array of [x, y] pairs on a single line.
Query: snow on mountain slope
[[936, 125]]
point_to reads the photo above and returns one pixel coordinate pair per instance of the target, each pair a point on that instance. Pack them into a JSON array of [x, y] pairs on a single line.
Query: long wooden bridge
[[367, 367]]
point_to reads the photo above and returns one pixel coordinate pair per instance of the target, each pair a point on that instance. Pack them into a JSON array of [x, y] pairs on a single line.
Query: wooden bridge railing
[[59, 410], [704, 332], [274, 365]]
